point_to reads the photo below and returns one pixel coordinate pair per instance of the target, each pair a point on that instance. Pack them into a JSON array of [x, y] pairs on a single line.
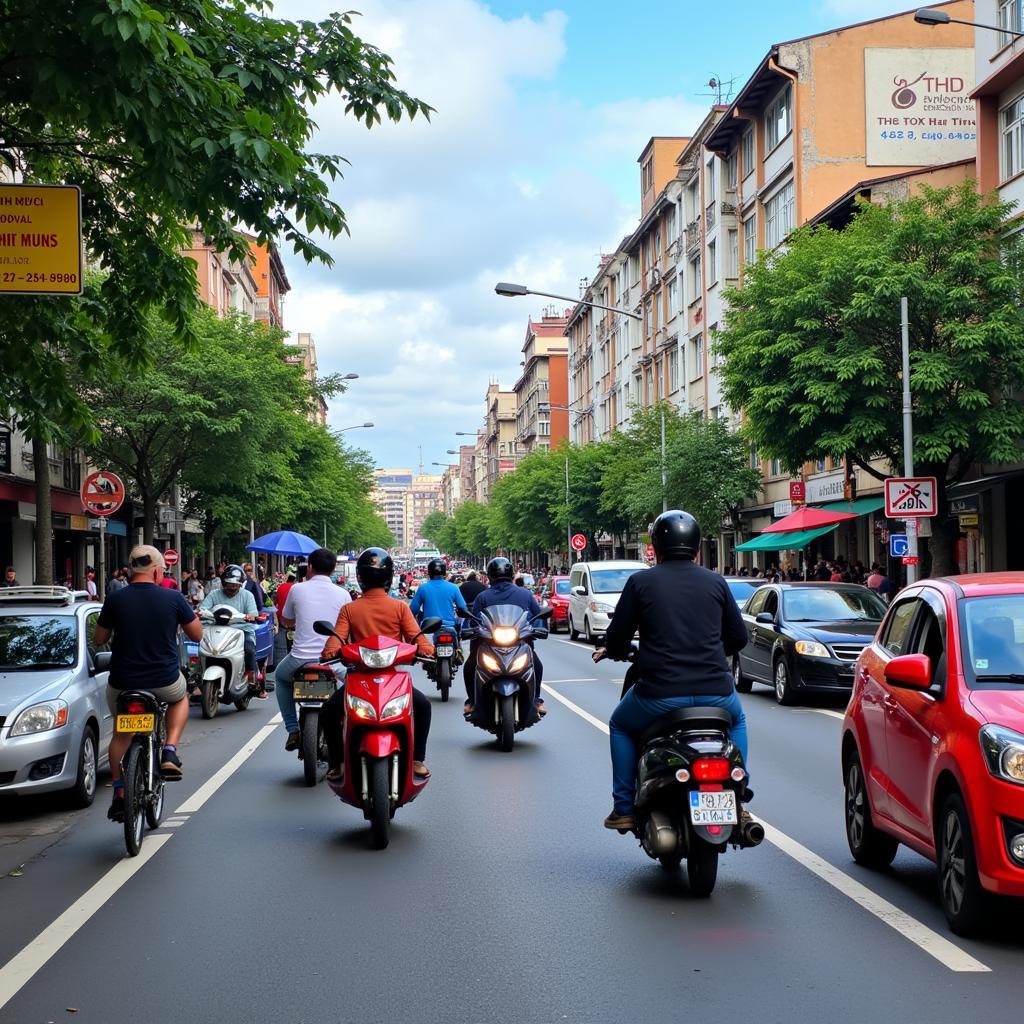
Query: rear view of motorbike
[[314, 685]]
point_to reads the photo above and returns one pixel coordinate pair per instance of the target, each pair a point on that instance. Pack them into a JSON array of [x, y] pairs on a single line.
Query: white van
[[594, 589]]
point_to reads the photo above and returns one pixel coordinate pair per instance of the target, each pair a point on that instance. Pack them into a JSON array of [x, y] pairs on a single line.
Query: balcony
[[709, 217], [693, 239]]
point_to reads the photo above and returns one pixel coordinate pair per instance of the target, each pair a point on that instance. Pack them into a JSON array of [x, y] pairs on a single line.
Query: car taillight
[[710, 769], [135, 707], [445, 639]]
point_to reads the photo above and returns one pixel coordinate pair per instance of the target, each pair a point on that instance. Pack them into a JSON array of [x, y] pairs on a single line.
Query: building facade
[[271, 282], [422, 497], [542, 391], [388, 495], [224, 284], [499, 451]]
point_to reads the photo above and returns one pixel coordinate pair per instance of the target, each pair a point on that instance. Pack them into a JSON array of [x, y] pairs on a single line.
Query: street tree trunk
[[945, 529], [148, 518], [44, 515]]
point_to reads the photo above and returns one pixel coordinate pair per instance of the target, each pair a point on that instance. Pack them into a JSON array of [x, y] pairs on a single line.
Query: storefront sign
[[970, 503], [826, 488], [5, 450], [918, 107], [40, 240], [79, 522], [968, 521], [782, 508], [797, 492]]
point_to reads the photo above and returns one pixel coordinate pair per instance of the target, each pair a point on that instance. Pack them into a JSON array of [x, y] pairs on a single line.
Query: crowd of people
[[837, 570]]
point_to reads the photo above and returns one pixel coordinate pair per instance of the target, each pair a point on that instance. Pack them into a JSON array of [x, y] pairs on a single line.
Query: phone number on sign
[[931, 136], [36, 278]]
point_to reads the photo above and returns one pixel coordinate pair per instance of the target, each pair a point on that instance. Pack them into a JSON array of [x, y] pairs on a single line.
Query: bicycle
[[140, 713]]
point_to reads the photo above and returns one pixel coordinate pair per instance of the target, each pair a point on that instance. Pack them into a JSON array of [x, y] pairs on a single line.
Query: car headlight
[[519, 663], [505, 636], [491, 663], [1004, 752], [40, 718], [600, 606], [395, 707], [812, 649], [360, 708], [378, 659]]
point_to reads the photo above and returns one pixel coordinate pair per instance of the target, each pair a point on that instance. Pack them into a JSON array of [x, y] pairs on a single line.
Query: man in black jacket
[[689, 627]]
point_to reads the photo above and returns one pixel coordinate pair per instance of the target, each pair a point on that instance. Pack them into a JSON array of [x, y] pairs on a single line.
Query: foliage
[[812, 351], [433, 526]]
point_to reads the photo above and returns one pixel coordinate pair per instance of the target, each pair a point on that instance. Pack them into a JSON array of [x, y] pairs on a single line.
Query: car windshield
[[814, 604], [995, 637], [37, 641], [562, 587], [741, 590], [611, 581]]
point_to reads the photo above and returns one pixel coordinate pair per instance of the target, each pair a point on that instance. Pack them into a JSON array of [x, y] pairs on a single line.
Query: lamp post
[[510, 291], [355, 426], [932, 17]]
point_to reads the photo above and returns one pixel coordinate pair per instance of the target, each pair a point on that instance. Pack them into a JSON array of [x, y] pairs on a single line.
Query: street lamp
[[929, 16], [355, 426], [350, 376], [514, 290]]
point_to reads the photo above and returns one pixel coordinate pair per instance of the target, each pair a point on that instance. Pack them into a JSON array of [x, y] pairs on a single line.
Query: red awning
[[807, 518]]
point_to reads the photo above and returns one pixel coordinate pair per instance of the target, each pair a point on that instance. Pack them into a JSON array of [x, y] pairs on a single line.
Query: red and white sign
[[171, 557], [797, 492], [910, 497], [911, 560], [579, 542], [102, 493]]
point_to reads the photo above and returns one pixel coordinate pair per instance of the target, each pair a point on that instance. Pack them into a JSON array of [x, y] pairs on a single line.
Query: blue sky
[[526, 172]]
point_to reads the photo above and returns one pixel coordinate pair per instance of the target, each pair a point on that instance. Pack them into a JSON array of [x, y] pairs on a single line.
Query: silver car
[[54, 722]]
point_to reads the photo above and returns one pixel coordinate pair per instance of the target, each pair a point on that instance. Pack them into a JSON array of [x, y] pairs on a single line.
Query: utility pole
[[568, 524], [664, 473], [908, 435]]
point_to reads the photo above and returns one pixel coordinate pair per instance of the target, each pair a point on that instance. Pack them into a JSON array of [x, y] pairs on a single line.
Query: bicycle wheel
[[134, 799]]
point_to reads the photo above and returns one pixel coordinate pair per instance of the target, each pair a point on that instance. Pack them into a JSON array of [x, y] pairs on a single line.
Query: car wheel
[[869, 846], [783, 684], [84, 790], [587, 635], [743, 683], [963, 899], [573, 632]]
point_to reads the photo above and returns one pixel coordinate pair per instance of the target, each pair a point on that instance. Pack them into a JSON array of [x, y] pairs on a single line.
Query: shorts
[[169, 694]]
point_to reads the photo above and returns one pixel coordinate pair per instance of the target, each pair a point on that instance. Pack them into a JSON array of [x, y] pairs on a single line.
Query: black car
[[806, 637]]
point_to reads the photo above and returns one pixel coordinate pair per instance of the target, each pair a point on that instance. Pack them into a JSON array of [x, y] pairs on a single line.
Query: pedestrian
[[879, 582], [169, 581], [10, 578], [90, 585], [117, 582], [837, 574], [195, 589], [744, 572]]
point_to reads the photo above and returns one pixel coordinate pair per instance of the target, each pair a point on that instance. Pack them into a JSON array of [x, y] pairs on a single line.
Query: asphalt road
[[500, 900]]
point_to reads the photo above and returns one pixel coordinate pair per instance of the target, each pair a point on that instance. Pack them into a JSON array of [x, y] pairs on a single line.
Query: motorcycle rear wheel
[[702, 867], [310, 747], [444, 679], [507, 724], [380, 804], [210, 699]]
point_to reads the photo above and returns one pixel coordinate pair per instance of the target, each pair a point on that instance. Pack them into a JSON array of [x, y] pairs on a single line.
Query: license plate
[[134, 723], [445, 651], [313, 689], [717, 807]]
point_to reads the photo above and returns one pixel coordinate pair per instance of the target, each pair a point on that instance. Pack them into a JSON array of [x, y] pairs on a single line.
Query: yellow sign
[[968, 520], [40, 240], [79, 523]]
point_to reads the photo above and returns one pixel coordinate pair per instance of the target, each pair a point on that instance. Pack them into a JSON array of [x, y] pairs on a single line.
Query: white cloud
[[509, 180]]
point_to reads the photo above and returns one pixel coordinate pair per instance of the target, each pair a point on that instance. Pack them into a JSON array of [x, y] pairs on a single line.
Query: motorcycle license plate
[[134, 723], [313, 688], [717, 807], [445, 650]]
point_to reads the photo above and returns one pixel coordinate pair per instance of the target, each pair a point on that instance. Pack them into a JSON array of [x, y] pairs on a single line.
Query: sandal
[[541, 710], [420, 771], [467, 709], [335, 775]]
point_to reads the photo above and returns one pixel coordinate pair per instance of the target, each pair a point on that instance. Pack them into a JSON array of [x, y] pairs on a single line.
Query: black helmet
[[499, 569], [675, 534], [233, 574], [436, 568], [374, 569]]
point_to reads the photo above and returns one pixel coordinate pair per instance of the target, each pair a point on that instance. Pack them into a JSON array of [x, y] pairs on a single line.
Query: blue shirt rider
[[437, 597]]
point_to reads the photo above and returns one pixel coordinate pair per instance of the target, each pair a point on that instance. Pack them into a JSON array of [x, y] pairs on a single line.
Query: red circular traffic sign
[[579, 542], [102, 493], [171, 557]]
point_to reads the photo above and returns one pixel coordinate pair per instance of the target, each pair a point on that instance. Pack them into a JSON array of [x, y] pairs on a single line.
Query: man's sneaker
[[294, 741], [620, 822], [115, 812], [170, 765]]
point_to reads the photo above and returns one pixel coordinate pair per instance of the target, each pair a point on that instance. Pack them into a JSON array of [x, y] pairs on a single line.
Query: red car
[[933, 740], [556, 593]]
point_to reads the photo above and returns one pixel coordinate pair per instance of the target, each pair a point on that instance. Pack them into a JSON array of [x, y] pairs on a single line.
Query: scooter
[[378, 728], [447, 656], [221, 673], [314, 685], [505, 685]]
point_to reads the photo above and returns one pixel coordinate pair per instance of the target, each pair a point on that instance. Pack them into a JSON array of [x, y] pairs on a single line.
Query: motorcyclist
[[437, 597], [689, 627], [501, 591], [232, 593], [375, 614], [472, 588]]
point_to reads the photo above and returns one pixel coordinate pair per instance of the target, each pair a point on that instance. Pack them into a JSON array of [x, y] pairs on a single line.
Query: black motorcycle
[[505, 692], [447, 658], [313, 686]]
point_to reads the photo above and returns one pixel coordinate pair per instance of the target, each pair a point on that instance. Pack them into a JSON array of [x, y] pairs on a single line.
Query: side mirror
[[580, 591], [911, 671], [765, 618], [545, 613], [430, 625], [324, 628], [101, 662]]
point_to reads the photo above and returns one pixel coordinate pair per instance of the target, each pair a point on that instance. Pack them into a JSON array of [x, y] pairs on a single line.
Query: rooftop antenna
[[722, 89], [421, 459]]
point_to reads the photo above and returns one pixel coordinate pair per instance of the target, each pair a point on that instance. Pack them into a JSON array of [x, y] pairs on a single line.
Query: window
[[757, 601], [710, 184], [731, 169], [1009, 18], [647, 175], [694, 282], [697, 361], [733, 237], [776, 468], [673, 297], [778, 213], [712, 262], [750, 240], [755, 458], [895, 636], [819, 465], [670, 225], [673, 370], [1011, 129], [778, 119], [747, 152], [544, 428], [693, 200]]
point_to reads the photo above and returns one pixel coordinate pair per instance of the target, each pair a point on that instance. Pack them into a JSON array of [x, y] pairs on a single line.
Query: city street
[[500, 899]]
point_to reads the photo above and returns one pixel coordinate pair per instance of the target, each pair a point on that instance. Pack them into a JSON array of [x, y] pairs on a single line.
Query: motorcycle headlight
[[812, 649], [378, 659], [395, 707], [600, 606], [491, 663], [40, 718], [505, 636], [360, 708], [1004, 752], [519, 663]]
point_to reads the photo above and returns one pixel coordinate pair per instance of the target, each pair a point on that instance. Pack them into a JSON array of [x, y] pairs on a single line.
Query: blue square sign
[[898, 545]]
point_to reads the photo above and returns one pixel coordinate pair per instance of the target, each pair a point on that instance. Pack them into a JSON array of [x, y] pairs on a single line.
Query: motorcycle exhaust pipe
[[751, 833]]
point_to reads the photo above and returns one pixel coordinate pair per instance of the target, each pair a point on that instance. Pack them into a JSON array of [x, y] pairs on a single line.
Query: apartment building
[[302, 352], [224, 284], [422, 497], [271, 282], [497, 450], [451, 488], [467, 472], [388, 495], [542, 391]]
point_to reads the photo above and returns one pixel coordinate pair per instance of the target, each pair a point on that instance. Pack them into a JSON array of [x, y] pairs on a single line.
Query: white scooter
[[221, 675]]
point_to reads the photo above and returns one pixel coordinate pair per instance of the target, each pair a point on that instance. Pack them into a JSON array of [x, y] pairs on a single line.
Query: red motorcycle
[[378, 728]]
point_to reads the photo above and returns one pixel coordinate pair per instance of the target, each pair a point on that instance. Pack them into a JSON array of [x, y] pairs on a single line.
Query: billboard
[[918, 107], [40, 240]]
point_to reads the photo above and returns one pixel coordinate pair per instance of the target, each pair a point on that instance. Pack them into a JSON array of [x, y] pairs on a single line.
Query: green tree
[[433, 527], [471, 526], [168, 115], [811, 343]]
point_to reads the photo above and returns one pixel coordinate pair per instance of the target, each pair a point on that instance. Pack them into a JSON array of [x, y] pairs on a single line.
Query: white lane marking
[[573, 643], [826, 711], [22, 967], [930, 942], [589, 679]]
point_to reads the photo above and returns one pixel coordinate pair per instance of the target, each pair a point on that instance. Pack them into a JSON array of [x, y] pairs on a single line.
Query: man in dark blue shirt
[[689, 627], [501, 591], [143, 619]]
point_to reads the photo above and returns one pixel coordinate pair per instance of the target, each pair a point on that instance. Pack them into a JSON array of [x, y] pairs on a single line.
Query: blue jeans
[[284, 687], [634, 714]]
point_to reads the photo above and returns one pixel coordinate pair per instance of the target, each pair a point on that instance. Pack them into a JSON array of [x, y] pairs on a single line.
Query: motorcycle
[[378, 728], [447, 658], [221, 674], [314, 685], [505, 691]]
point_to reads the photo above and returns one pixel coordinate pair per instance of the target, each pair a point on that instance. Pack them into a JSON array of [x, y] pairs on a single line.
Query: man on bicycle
[[143, 619]]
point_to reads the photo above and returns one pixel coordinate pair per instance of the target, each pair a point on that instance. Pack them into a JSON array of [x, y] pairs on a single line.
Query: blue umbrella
[[283, 542]]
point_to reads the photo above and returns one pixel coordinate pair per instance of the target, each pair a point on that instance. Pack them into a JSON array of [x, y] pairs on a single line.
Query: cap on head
[[675, 535], [145, 557]]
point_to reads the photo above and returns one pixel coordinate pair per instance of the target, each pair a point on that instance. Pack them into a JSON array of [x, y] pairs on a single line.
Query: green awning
[[791, 541], [859, 506]]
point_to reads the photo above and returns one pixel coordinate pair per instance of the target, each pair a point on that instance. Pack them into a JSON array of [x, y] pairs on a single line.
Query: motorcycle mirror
[[431, 624], [323, 628], [545, 613]]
